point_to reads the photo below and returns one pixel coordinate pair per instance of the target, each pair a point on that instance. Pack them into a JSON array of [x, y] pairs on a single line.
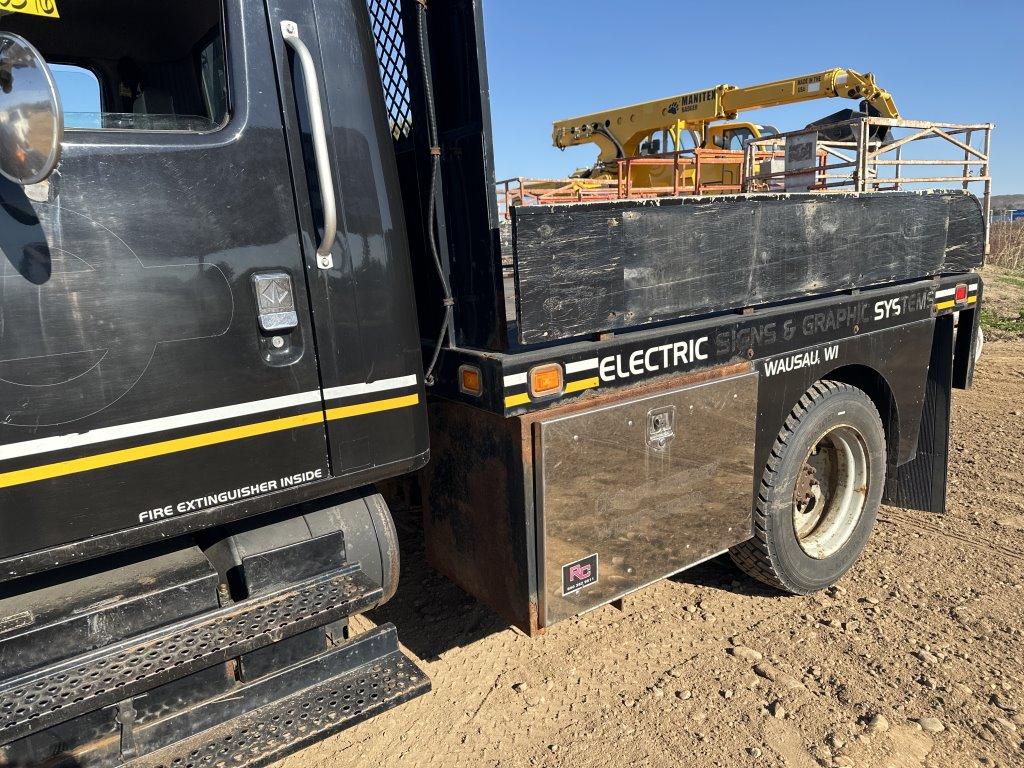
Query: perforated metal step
[[42, 698], [275, 730]]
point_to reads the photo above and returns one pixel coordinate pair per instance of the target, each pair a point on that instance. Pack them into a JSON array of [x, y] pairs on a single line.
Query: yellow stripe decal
[[348, 411], [513, 400], [571, 386], [177, 445], [972, 299], [945, 304], [581, 384], [101, 460]]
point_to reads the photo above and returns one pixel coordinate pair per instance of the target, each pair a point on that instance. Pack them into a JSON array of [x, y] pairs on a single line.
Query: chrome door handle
[[290, 30]]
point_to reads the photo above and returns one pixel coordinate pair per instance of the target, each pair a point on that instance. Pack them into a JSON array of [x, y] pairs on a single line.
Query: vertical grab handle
[[290, 30]]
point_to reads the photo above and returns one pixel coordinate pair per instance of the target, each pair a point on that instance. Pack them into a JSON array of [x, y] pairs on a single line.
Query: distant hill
[[1003, 202]]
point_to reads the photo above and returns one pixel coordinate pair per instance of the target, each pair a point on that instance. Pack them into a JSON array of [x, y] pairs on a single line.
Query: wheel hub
[[808, 491], [831, 491]]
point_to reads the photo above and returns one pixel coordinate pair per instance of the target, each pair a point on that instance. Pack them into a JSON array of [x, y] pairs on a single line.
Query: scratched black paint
[[592, 267], [126, 297]]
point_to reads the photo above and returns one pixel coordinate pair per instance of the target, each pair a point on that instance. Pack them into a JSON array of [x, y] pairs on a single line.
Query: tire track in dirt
[[906, 519]]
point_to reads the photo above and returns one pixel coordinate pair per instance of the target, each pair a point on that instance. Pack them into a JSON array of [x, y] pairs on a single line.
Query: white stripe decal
[[973, 286], [383, 385], [945, 292], [104, 434], [164, 423], [581, 365], [515, 378]]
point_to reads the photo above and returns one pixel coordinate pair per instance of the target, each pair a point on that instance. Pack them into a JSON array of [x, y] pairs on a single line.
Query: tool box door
[[359, 270], [631, 492], [157, 358]]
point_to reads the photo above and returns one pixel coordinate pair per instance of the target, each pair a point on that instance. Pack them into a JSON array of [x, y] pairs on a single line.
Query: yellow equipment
[[619, 132], [630, 132]]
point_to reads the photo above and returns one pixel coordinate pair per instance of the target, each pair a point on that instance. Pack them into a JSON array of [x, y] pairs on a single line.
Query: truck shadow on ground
[[720, 573], [432, 615]]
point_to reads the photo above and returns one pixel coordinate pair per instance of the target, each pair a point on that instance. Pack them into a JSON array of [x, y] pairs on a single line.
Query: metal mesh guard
[[278, 729], [389, 41], [69, 689]]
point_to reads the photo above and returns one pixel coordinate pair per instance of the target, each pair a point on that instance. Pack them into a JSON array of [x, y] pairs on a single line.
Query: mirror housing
[[31, 116]]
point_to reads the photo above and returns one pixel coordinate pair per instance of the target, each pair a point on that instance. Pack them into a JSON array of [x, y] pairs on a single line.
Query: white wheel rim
[[831, 492]]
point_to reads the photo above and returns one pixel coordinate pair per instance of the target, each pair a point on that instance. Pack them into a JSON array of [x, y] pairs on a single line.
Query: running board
[[64, 690], [374, 676]]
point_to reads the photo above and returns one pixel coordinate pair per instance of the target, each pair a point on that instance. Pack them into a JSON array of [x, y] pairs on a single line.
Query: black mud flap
[[921, 482]]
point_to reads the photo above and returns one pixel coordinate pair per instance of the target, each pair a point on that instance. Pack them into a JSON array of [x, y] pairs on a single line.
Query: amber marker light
[[546, 380], [470, 381]]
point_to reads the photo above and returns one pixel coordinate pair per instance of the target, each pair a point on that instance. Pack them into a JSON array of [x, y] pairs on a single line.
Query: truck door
[[157, 355], [350, 211]]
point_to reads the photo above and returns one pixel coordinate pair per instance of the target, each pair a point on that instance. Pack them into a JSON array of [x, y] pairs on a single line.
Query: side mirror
[[31, 117]]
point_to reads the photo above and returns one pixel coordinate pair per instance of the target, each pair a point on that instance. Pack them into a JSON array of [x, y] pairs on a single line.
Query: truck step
[[44, 697], [379, 676]]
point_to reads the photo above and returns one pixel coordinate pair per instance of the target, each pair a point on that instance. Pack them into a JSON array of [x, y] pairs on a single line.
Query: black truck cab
[[176, 357], [173, 346]]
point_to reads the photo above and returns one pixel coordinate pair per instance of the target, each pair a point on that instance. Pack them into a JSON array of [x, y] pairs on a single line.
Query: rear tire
[[819, 493]]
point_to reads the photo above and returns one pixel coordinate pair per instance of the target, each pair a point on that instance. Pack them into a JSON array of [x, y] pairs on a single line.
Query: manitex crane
[[622, 132], [691, 123]]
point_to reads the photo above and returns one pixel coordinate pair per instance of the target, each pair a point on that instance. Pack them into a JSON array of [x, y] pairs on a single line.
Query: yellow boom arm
[[618, 132]]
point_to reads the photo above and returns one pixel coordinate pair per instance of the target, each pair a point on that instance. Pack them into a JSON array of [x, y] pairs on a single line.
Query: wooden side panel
[[592, 267]]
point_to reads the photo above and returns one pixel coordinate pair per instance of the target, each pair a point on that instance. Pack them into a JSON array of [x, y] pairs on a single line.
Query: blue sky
[[943, 60]]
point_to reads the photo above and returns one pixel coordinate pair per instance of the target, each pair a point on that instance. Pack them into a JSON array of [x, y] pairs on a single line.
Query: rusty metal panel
[[633, 492], [478, 511]]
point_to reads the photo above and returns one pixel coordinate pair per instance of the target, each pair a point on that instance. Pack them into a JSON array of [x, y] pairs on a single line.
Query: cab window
[[734, 139], [663, 142], [80, 95], [157, 65]]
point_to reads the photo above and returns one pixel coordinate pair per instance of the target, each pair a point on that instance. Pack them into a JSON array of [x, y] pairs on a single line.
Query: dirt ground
[[914, 659]]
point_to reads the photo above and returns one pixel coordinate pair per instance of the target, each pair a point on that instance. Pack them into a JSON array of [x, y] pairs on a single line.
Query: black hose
[[435, 166], [620, 152]]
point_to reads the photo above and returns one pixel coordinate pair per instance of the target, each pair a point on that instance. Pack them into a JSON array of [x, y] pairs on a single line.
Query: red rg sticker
[[580, 574]]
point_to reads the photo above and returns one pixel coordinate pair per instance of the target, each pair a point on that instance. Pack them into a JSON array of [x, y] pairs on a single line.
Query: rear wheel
[[819, 493]]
